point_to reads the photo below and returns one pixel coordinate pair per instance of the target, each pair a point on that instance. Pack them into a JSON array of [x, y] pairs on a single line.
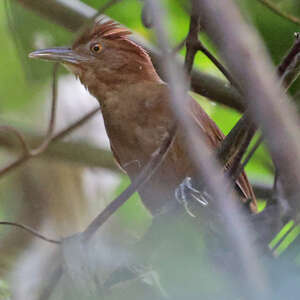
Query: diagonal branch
[[289, 69], [279, 12]]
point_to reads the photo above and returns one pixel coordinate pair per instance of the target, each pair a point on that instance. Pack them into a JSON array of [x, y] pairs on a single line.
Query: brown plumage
[[135, 104]]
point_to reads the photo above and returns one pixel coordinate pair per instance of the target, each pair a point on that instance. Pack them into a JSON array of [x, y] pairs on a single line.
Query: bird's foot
[[185, 192]]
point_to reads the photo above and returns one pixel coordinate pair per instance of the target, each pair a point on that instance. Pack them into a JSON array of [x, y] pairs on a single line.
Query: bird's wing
[[215, 137]]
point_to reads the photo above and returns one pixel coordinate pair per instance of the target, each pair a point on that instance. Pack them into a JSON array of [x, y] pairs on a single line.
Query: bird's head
[[103, 58]]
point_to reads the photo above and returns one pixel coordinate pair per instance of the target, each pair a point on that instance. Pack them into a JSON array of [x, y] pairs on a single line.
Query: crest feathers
[[109, 30]]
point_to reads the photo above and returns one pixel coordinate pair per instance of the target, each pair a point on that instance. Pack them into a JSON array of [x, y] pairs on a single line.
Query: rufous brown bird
[[135, 104]]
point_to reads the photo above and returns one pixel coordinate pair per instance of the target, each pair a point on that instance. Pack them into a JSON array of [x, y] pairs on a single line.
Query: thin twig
[[279, 12], [218, 64], [191, 43], [236, 169], [230, 146], [241, 167], [14, 165], [21, 160], [267, 104], [28, 153], [178, 47], [289, 57], [194, 44], [289, 69], [236, 143], [252, 151], [52, 120], [31, 231], [147, 172], [19, 135], [61, 134]]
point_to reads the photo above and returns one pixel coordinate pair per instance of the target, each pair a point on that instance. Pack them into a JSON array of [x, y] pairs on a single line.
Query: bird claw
[[185, 192]]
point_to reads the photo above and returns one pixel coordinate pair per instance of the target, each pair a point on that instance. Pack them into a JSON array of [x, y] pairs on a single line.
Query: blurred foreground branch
[[207, 167], [288, 71], [268, 105]]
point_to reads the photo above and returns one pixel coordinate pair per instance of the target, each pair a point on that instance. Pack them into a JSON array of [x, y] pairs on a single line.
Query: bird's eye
[[96, 48]]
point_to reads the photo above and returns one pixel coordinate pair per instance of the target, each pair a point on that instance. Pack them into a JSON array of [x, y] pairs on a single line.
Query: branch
[[218, 64], [27, 152], [194, 44], [73, 151], [235, 172], [76, 124], [267, 104], [289, 68], [18, 134], [207, 168], [279, 12], [31, 231], [237, 141], [52, 120], [69, 151], [73, 15]]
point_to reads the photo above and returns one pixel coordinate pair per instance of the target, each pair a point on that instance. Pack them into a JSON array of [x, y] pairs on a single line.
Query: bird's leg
[[186, 192]]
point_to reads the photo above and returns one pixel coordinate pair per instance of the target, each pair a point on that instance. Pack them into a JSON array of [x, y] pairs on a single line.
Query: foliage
[[23, 81]]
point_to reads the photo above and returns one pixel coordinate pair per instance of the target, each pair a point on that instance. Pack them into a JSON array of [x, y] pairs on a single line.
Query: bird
[[136, 108]]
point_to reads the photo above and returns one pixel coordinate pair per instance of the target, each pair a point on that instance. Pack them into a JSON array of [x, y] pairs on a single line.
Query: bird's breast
[[137, 120]]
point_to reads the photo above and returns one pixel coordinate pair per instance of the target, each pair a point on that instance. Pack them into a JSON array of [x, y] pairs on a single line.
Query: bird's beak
[[58, 54]]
